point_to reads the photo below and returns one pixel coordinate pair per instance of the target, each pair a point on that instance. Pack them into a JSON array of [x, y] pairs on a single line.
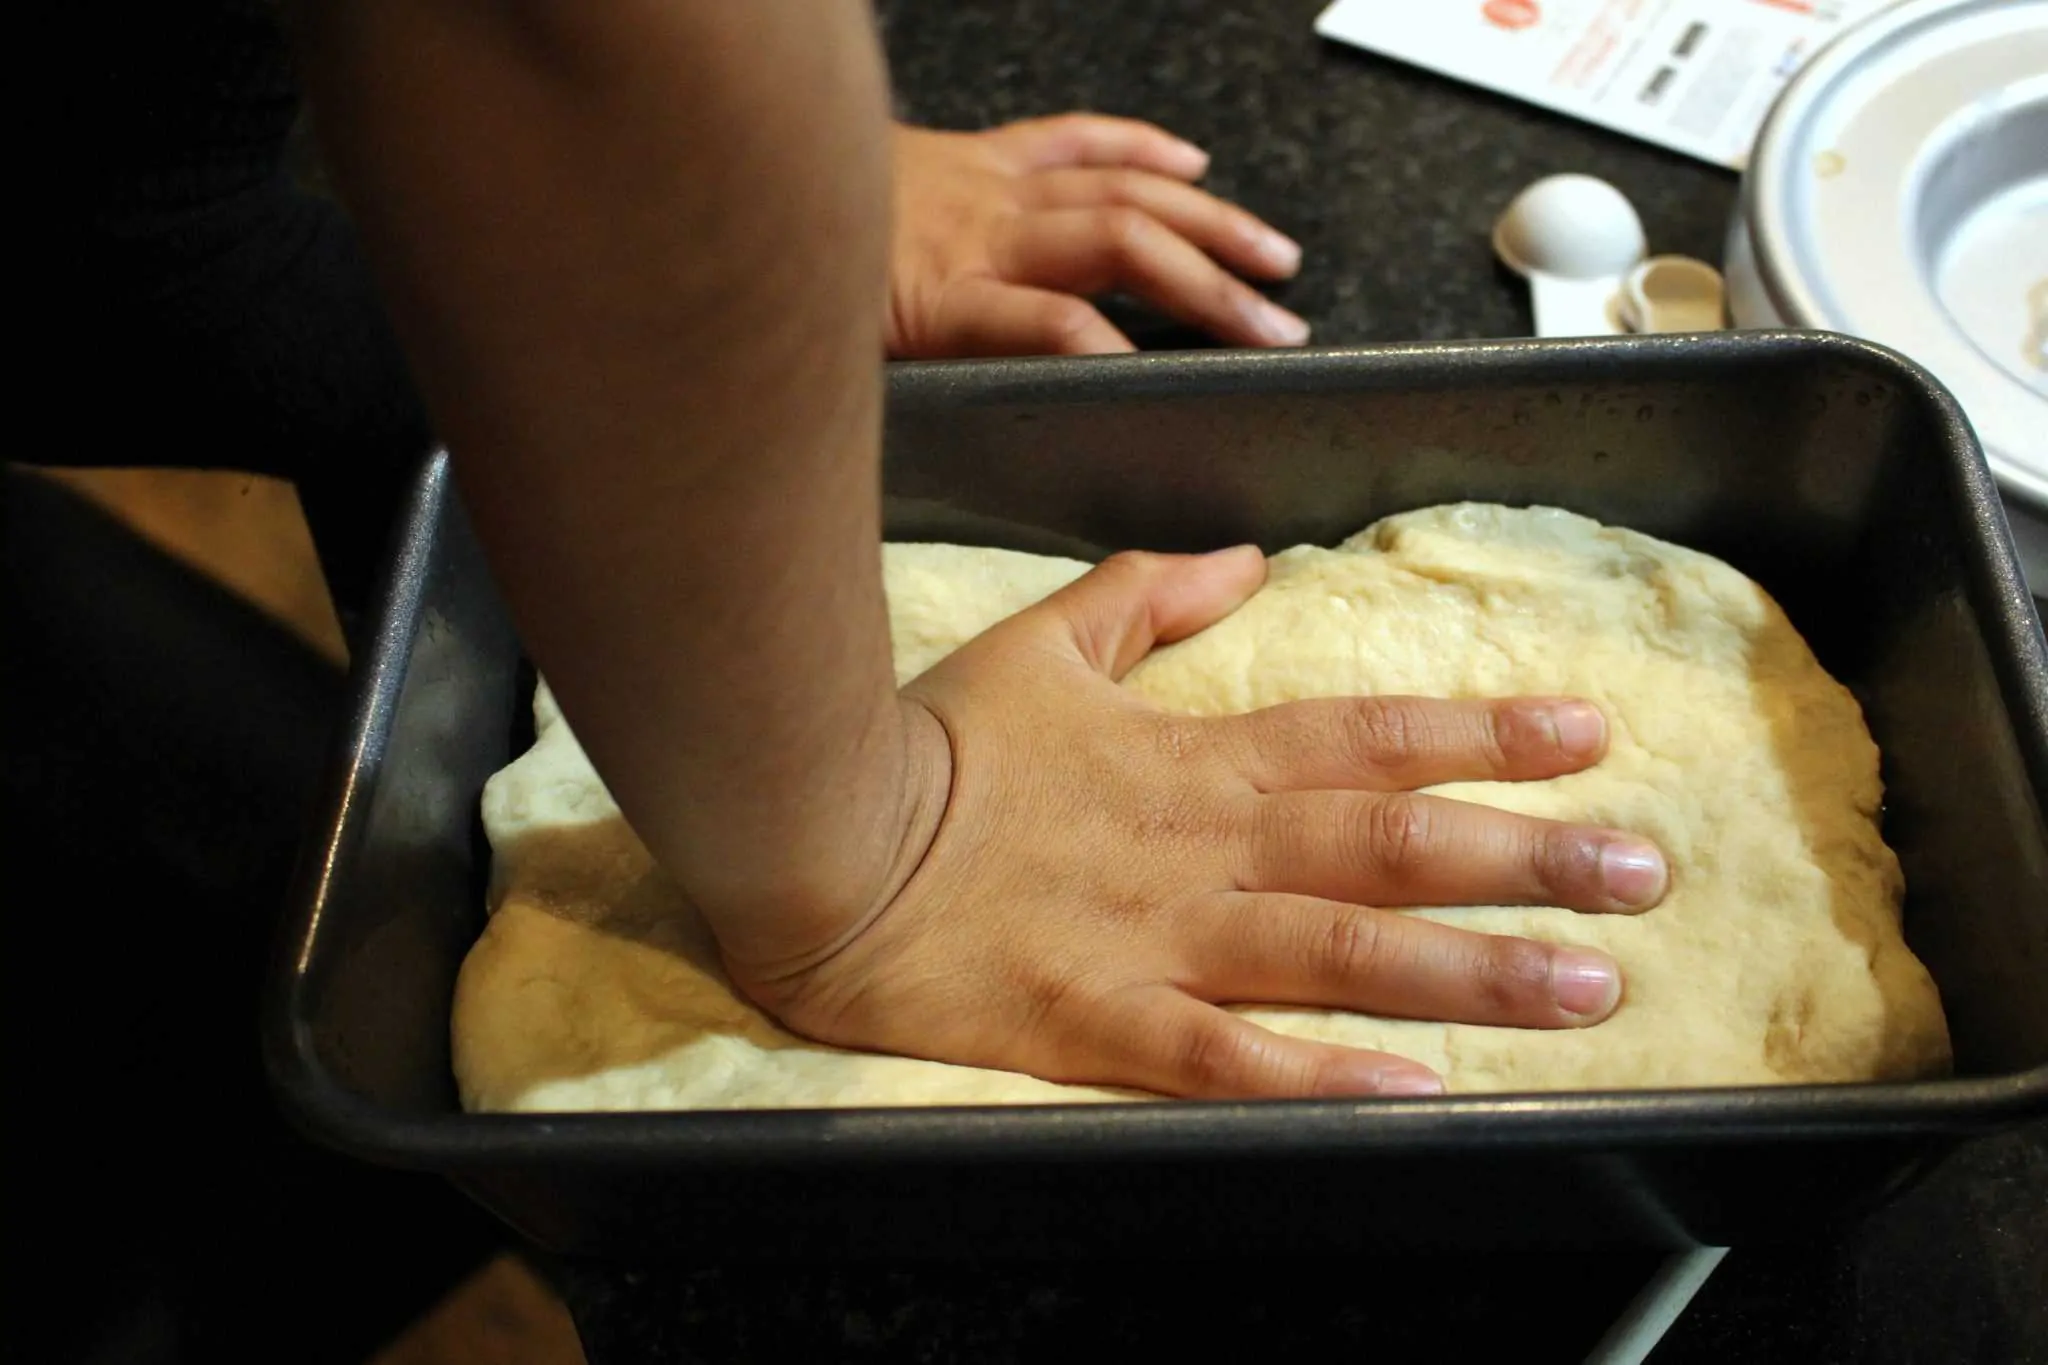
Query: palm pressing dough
[[1777, 956]]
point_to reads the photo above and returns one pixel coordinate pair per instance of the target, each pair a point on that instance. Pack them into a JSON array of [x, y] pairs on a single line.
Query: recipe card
[[1696, 76]]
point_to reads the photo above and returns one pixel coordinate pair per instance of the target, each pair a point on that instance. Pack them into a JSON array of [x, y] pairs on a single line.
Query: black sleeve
[[217, 313]]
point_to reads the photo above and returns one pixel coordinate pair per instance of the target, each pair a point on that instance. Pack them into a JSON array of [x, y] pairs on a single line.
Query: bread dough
[[1777, 956]]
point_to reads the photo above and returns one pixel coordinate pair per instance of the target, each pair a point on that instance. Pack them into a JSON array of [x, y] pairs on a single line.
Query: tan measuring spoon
[[1673, 294]]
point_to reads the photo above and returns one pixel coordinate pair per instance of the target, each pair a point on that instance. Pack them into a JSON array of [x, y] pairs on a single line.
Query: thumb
[[1114, 614]]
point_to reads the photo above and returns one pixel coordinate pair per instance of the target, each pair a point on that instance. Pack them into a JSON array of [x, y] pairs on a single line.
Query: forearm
[[637, 252]]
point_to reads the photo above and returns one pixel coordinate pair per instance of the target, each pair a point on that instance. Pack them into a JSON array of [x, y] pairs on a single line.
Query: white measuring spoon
[[1573, 238]]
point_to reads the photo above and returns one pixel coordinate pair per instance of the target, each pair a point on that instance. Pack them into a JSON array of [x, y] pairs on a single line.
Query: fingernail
[[1277, 325], [1633, 872], [1584, 983], [1279, 251], [1245, 549], [1581, 729], [1410, 1080], [1195, 157]]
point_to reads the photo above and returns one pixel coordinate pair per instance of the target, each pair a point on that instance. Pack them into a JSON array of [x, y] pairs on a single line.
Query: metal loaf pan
[[1837, 474]]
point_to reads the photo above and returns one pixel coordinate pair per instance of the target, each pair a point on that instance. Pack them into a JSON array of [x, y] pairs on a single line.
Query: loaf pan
[[1834, 472]]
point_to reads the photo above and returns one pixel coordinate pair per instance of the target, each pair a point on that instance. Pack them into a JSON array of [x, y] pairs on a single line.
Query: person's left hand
[[1000, 236]]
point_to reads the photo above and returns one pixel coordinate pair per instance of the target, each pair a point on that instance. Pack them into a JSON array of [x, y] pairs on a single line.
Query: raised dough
[[1777, 956]]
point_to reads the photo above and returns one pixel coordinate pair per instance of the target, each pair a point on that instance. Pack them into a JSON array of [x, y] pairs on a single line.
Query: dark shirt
[[215, 311]]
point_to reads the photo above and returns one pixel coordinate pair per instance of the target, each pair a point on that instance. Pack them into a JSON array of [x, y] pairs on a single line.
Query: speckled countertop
[[1391, 180]]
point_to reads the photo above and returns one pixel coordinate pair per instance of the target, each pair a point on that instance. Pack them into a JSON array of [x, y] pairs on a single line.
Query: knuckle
[[1211, 1057], [1126, 231], [1193, 806], [1512, 732], [1564, 862], [1120, 911], [1486, 737], [1026, 132], [1128, 566], [1167, 817], [1398, 830], [1353, 949], [1510, 977], [1120, 189], [1380, 733], [1067, 318], [1046, 995], [1179, 738], [1229, 296]]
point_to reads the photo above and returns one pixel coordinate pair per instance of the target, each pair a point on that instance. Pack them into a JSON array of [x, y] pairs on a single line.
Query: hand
[[999, 235], [1092, 878]]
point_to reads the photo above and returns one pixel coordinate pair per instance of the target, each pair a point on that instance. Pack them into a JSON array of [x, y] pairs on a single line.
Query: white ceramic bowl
[[1899, 192]]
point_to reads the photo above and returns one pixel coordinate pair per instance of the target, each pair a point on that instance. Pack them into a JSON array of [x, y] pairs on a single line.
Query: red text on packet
[[1511, 14]]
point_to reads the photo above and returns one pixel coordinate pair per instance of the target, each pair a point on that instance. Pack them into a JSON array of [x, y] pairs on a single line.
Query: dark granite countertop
[[1391, 180], [1389, 177]]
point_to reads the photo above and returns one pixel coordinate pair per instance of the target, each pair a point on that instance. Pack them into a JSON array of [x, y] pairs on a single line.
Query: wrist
[[785, 926]]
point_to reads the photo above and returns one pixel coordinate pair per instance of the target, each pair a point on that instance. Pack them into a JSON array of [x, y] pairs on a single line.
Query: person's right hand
[[1084, 880]]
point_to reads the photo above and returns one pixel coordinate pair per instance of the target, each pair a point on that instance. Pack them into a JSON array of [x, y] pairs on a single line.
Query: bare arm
[[638, 252]]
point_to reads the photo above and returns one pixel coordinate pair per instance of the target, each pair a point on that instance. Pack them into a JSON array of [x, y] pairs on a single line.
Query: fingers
[[1174, 1045], [982, 317], [1222, 229], [1114, 614], [1097, 250], [1099, 140], [1302, 950], [1400, 743], [1407, 849]]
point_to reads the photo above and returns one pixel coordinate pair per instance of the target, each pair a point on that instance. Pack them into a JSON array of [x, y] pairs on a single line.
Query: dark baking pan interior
[[1835, 473]]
